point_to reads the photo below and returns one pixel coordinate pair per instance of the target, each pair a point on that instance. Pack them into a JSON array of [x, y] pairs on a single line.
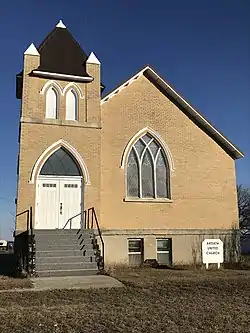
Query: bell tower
[[60, 121]]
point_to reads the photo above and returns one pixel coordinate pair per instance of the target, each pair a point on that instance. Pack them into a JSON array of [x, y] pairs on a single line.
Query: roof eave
[[226, 144], [193, 114], [61, 76]]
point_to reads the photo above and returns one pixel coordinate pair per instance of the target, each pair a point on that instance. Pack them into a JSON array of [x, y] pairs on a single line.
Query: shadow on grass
[[8, 264]]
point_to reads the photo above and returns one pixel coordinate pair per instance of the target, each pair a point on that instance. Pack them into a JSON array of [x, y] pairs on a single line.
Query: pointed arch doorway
[[59, 194]]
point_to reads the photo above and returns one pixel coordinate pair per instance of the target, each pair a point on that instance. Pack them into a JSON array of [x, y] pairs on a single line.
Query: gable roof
[[183, 105], [60, 53]]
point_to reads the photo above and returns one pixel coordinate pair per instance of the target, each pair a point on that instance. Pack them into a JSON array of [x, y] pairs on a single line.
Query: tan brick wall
[[36, 138], [38, 133], [203, 184], [93, 93]]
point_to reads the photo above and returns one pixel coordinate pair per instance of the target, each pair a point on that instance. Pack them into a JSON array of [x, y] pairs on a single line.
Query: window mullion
[[155, 183], [140, 178], [139, 170], [154, 170], [140, 173]]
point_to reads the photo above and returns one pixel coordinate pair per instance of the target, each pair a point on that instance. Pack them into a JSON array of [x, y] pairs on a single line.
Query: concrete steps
[[65, 266], [65, 253], [69, 272], [65, 259]]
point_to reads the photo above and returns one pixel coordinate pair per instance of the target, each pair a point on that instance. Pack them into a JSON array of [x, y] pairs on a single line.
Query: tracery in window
[[147, 170]]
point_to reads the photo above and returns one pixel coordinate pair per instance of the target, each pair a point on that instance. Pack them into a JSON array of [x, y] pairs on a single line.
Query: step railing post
[[84, 219]]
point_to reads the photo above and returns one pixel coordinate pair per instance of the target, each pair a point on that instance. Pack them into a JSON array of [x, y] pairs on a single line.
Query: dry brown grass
[[14, 283], [151, 301]]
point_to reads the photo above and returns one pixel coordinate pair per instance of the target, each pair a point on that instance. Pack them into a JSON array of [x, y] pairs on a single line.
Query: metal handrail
[[88, 220], [70, 220], [29, 230], [27, 211], [32, 239], [94, 218]]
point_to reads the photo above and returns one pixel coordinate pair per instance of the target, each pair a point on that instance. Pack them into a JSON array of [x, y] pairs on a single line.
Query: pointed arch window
[[52, 103], [60, 163], [71, 105], [147, 170]]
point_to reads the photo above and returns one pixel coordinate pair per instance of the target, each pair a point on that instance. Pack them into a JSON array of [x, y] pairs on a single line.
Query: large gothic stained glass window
[[60, 163], [147, 170]]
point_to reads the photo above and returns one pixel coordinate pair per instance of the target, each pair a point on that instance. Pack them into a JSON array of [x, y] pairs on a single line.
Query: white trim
[[92, 59], [32, 50], [152, 200], [66, 178], [117, 90], [54, 84], [72, 105], [60, 24], [158, 138], [52, 103], [196, 112], [121, 87], [169, 252], [64, 76], [136, 239], [74, 86], [50, 150]]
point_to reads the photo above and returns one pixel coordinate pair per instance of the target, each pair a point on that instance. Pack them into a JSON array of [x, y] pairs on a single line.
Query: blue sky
[[202, 48]]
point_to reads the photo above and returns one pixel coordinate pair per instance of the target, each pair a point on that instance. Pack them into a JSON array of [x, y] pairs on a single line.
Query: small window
[[164, 251], [52, 103], [135, 252], [49, 185], [70, 185], [71, 105]]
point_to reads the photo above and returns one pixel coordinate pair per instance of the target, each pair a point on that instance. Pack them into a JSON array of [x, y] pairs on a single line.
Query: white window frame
[[47, 115], [158, 239], [166, 252], [76, 105], [154, 159], [141, 253]]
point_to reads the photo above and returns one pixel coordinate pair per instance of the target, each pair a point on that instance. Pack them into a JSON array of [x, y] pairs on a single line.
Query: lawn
[[151, 301], [11, 283]]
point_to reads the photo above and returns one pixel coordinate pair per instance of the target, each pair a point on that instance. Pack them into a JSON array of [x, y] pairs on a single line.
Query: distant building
[[3, 245]]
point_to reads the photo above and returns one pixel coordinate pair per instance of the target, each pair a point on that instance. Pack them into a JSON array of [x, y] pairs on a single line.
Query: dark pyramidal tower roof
[[60, 53]]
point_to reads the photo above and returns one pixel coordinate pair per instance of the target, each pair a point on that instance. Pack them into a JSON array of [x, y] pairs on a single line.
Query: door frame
[[41, 178]]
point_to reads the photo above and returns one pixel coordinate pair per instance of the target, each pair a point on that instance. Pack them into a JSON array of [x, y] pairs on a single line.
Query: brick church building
[[160, 177]]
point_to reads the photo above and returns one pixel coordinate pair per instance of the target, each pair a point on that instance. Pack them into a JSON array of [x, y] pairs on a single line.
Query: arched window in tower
[[71, 105], [147, 170], [52, 103]]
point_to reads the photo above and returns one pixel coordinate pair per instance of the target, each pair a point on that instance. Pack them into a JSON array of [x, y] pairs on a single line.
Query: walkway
[[75, 282], [69, 282]]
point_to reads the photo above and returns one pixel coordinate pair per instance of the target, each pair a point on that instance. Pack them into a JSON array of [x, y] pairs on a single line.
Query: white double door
[[58, 199]]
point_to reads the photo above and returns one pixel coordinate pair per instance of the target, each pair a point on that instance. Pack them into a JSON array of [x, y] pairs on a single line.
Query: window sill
[[71, 123], [152, 200]]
